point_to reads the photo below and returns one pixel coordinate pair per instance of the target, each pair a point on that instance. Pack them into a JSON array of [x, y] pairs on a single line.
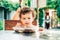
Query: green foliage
[[58, 8], [25, 3], [58, 20], [29, 3], [51, 4], [55, 4], [1, 25], [58, 12], [40, 17], [9, 5], [36, 13]]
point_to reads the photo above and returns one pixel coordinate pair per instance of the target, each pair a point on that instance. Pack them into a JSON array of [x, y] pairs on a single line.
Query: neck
[[28, 26]]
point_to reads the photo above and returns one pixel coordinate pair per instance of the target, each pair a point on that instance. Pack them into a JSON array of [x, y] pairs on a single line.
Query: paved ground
[[11, 35]]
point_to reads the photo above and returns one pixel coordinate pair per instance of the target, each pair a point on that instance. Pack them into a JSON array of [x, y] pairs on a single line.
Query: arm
[[16, 15]]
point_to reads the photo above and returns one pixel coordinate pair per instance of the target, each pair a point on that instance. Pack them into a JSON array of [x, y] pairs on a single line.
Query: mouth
[[26, 23]]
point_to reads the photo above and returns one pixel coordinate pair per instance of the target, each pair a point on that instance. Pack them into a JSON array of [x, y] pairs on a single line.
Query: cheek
[[31, 20], [22, 21]]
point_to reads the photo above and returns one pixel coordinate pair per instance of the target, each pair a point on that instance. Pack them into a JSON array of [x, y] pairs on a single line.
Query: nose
[[27, 20]]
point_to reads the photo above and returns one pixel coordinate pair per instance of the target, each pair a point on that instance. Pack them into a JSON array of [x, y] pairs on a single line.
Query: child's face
[[27, 19]]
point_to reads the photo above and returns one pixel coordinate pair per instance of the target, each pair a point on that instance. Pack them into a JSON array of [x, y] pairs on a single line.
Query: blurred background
[[47, 11]]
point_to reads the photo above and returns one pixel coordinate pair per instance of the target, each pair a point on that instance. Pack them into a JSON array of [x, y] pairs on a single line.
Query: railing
[[9, 24]]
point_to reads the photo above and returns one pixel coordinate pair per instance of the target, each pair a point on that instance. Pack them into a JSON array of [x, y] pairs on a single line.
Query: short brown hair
[[25, 10]]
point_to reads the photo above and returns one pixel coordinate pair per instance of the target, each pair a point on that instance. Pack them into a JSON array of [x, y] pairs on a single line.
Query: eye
[[28, 18], [24, 18]]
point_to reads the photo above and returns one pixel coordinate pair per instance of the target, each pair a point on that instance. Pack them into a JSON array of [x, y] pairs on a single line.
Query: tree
[[40, 17], [1, 25], [51, 3], [9, 5], [58, 8]]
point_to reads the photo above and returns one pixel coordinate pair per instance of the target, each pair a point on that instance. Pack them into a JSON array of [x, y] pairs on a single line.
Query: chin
[[27, 25]]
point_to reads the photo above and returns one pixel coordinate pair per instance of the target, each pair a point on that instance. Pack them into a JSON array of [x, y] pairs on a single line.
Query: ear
[[34, 22]]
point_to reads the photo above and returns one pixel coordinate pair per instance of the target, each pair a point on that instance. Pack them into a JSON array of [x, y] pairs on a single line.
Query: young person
[[26, 16]]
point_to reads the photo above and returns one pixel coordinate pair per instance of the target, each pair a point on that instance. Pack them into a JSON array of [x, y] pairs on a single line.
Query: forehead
[[29, 14]]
